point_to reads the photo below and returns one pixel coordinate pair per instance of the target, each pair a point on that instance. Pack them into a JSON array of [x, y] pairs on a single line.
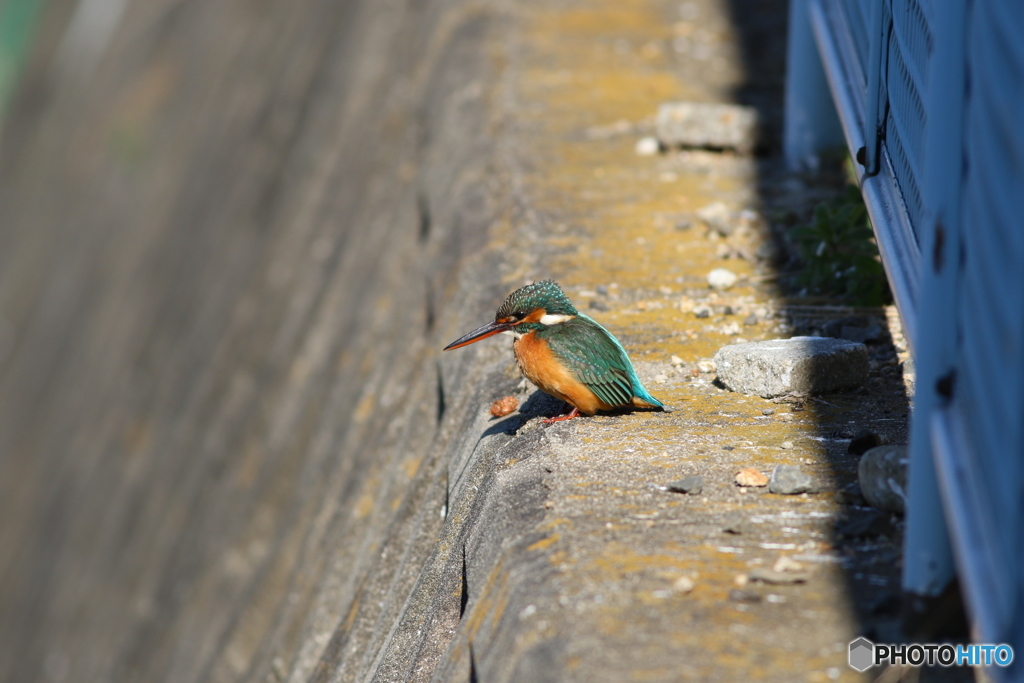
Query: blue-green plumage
[[564, 352], [597, 359]]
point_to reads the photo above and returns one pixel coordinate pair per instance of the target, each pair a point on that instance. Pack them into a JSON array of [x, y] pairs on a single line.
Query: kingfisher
[[565, 353]]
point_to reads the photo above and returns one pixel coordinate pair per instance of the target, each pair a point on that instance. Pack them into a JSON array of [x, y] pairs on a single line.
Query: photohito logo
[[864, 654]]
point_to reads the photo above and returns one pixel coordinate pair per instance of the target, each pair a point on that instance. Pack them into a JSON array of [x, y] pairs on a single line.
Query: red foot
[[570, 415]]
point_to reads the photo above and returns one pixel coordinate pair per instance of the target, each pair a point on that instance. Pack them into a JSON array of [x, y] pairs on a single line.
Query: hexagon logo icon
[[862, 654]]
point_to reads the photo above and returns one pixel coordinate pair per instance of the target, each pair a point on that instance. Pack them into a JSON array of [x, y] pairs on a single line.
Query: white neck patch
[[551, 319]]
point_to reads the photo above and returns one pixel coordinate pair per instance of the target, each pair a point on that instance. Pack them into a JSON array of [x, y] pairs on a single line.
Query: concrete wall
[[229, 237]]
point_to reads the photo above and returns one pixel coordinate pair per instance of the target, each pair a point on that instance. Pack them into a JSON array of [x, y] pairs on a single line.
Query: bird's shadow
[[540, 404]]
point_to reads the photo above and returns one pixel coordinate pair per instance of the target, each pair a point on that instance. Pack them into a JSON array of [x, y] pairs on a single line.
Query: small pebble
[[777, 578], [598, 305], [648, 146], [684, 584], [768, 411], [706, 365], [737, 595], [660, 379], [721, 278], [850, 495], [786, 445], [702, 311], [882, 474], [736, 524], [750, 320], [504, 406], [741, 580], [717, 217], [787, 564], [676, 360], [790, 480], [863, 442], [749, 476], [693, 485]]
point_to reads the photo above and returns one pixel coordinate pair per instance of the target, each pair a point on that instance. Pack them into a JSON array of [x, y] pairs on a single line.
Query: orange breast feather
[[541, 367]]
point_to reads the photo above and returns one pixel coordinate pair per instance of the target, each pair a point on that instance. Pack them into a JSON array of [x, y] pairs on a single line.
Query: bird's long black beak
[[488, 330]]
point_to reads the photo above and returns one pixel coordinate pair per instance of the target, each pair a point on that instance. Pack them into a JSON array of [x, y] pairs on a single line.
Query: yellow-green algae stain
[[609, 220]]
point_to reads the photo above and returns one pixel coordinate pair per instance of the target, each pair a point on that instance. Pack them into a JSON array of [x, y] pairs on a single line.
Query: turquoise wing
[[597, 359]]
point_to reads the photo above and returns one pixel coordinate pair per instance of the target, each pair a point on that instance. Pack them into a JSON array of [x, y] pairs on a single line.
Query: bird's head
[[532, 307]]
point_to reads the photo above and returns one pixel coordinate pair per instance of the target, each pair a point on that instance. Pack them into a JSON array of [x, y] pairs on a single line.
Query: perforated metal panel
[[906, 83], [943, 81], [858, 19]]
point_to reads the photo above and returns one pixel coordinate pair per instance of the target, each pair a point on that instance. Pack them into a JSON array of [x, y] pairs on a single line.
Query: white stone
[[706, 365], [648, 146], [721, 278]]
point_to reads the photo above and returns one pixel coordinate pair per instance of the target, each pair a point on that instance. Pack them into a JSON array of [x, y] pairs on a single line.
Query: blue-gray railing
[[930, 96]]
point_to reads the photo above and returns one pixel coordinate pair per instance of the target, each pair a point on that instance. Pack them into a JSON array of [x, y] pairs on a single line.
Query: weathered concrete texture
[[882, 473], [232, 449], [229, 254], [814, 365]]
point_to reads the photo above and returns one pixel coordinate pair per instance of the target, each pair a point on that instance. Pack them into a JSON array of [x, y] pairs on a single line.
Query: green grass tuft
[[839, 254]]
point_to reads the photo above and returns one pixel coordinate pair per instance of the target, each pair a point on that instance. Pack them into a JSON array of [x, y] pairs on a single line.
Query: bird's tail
[[642, 399]]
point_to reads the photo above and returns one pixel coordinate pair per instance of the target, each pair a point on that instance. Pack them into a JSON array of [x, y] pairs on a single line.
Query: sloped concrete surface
[[232, 449]]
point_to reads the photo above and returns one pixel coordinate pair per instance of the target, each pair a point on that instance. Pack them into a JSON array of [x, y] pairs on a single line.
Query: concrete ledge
[[238, 452]]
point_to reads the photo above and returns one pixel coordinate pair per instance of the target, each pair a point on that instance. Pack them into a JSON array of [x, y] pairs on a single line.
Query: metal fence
[[930, 95]]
